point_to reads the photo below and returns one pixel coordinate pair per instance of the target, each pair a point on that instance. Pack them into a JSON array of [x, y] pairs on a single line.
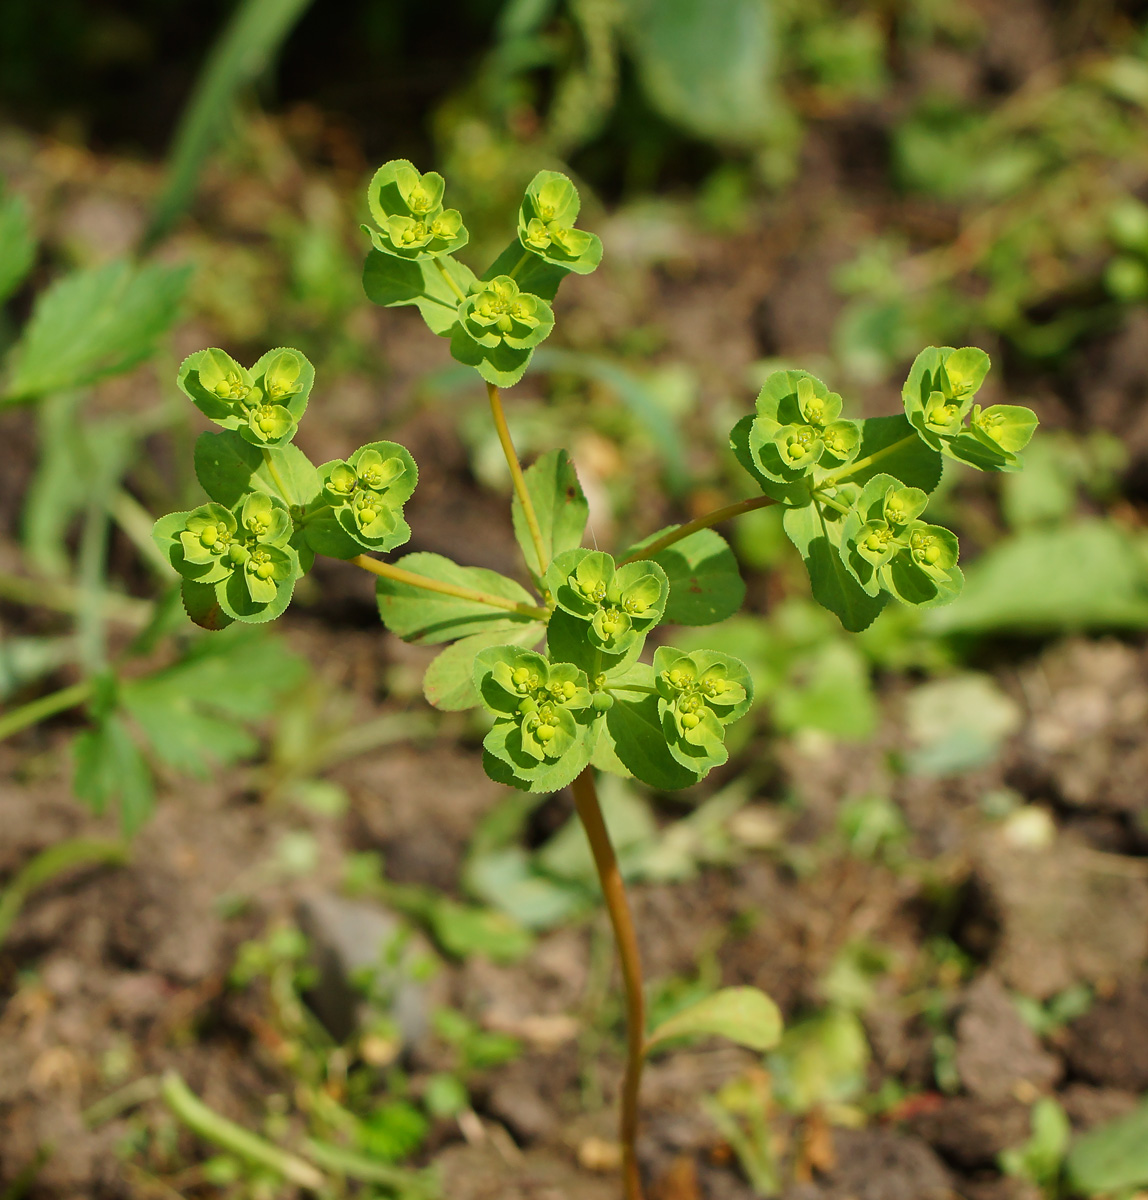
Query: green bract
[[497, 329], [886, 548], [798, 428], [542, 716], [242, 553], [938, 397], [699, 694], [546, 225], [262, 404], [363, 497], [618, 605], [407, 207]]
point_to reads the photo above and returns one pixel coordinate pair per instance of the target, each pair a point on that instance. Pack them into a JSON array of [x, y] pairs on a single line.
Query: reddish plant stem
[[614, 891]]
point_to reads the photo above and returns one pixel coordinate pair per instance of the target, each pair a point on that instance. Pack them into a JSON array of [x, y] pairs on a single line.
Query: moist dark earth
[[131, 962]]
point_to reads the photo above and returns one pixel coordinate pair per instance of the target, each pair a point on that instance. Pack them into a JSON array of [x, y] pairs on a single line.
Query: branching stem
[[517, 476], [704, 522], [614, 891], [450, 282], [860, 465], [273, 471], [387, 571]]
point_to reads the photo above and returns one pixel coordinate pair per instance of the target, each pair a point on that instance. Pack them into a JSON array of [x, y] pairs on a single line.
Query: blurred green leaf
[[829, 690], [26, 659], [195, 713], [94, 323], [740, 1014], [1111, 1157], [821, 1060], [111, 770], [17, 245], [241, 53], [1086, 576], [706, 67], [463, 930], [957, 724], [1040, 1157]]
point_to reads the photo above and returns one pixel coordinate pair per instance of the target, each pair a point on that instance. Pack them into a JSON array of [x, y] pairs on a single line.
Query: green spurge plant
[[561, 669]]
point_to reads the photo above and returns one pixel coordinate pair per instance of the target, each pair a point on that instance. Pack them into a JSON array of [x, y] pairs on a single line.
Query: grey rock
[[350, 938]]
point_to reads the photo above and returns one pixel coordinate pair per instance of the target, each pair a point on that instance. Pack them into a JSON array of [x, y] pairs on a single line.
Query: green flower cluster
[[854, 491], [617, 605], [365, 495], [938, 399], [799, 428], [242, 553], [546, 224], [887, 548], [541, 710], [494, 322], [271, 510], [699, 694], [263, 404], [407, 207]]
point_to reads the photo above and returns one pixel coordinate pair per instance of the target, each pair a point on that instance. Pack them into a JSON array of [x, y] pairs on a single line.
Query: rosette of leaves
[[543, 713], [497, 329], [235, 562], [407, 208], [362, 501], [798, 428], [546, 225], [604, 611], [263, 404], [886, 547], [939, 402], [699, 694]]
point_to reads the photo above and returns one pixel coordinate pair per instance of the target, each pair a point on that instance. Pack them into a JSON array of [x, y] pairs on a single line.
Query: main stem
[[704, 522], [517, 476], [614, 891]]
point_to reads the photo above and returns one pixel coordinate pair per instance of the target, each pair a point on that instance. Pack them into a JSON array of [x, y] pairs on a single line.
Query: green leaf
[[17, 245], [740, 1014], [94, 323], [391, 282], [449, 681], [708, 68], [199, 599], [228, 467], [110, 770], [914, 464], [1091, 575], [559, 504], [1112, 1156], [417, 615], [817, 540], [636, 729], [820, 1060], [705, 584]]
